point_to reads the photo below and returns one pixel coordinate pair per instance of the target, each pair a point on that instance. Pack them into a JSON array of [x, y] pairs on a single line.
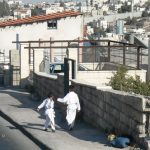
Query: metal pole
[[138, 57], [109, 51], [73, 69], [149, 59], [66, 76], [17, 41], [124, 54]]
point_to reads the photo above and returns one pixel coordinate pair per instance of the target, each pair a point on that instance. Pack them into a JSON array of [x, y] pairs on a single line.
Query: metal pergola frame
[[77, 45]]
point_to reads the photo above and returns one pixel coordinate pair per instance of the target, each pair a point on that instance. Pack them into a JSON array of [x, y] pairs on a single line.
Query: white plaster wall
[[68, 28], [24, 63], [24, 66], [103, 77], [38, 58]]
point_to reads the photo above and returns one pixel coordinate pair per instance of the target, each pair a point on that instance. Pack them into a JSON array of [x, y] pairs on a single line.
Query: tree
[[37, 11], [130, 21], [62, 4], [145, 14], [122, 81], [4, 9], [147, 5], [104, 13], [124, 8]]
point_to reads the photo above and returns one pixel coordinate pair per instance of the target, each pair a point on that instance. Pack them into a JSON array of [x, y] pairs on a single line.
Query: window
[[56, 68], [52, 24]]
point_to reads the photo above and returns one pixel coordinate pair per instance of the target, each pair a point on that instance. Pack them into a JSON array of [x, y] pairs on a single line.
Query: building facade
[[58, 26]]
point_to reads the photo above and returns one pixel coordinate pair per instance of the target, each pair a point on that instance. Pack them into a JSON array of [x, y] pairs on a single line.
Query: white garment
[[72, 101], [49, 112]]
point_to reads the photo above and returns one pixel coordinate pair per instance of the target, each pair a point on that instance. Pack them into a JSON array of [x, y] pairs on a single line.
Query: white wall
[[38, 58], [68, 28], [103, 77], [24, 66]]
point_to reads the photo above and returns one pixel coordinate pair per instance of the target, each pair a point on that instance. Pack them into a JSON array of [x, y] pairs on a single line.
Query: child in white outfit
[[48, 103]]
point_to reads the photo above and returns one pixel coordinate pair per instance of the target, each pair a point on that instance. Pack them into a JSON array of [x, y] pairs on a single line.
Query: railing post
[[73, 68], [147, 127], [66, 76], [124, 54], [29, 53], [138, 57], [108, 51]]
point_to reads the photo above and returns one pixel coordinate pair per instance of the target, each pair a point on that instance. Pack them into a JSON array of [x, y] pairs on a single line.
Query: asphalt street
[[12, 139]]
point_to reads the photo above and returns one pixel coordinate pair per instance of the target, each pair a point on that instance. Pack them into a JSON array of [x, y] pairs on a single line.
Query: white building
[[54, 10], [103, 24], [22, 13], [58, 26], [13, 2]]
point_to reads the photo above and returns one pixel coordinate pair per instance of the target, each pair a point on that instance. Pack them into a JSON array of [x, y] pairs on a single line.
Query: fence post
[[124, 54], [66, 76], [108, 51], [138, 57]]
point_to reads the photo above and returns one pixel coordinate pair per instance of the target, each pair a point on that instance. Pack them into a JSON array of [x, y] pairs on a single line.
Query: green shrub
[[123, 82]]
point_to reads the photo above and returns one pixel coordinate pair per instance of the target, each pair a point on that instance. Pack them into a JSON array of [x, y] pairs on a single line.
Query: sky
[[35, 1]]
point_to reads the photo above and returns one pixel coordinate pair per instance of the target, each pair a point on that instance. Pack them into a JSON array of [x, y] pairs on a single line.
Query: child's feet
[[70, 127], [53, 130], [45, 129]]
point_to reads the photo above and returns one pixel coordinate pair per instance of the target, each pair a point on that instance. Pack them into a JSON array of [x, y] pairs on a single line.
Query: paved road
[[12, 138], [16, 105]]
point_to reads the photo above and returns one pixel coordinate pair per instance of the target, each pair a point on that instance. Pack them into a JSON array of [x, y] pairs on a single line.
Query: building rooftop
[[39, 18]]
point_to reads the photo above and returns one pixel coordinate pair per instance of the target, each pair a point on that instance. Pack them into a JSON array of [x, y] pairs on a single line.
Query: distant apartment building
[[69, 4], [103, 24], [58, 26], [94, 2], [22, 13], [139, 1], [105, 8], [13, 2], [54, 9]]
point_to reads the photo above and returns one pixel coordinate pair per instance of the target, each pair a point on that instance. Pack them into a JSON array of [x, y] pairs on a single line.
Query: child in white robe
[[48, 103], [73, 106]]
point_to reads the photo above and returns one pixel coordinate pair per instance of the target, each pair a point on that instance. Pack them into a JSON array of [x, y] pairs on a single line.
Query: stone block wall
[[110, 109], [45, 83]]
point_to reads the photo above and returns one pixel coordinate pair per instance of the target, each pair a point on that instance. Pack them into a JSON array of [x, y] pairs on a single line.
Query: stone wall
[[113, 109], [105, 109], [45, 83]]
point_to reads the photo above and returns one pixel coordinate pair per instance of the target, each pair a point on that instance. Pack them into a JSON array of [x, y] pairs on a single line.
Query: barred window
[[52, 24]]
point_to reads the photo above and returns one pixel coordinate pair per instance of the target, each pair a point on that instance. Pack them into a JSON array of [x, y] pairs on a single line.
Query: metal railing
[[96, 51]]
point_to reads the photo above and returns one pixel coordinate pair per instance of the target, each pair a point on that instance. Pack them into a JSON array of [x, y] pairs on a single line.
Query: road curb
[[25, 132]]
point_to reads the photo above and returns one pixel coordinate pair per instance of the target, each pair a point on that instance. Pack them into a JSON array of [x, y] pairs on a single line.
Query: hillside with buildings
[[46, 46]]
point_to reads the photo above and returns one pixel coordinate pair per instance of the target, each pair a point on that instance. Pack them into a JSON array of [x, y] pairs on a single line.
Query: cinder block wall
[[113, 109], [105, 109], [44, 83]]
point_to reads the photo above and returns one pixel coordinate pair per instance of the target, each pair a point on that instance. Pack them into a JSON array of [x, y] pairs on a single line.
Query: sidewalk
[[18, 107]]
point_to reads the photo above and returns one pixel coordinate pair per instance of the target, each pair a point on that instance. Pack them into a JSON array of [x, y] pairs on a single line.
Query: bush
[[121, 81]]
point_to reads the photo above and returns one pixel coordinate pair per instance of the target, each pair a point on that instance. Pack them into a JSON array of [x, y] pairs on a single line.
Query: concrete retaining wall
[[106, 109]]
